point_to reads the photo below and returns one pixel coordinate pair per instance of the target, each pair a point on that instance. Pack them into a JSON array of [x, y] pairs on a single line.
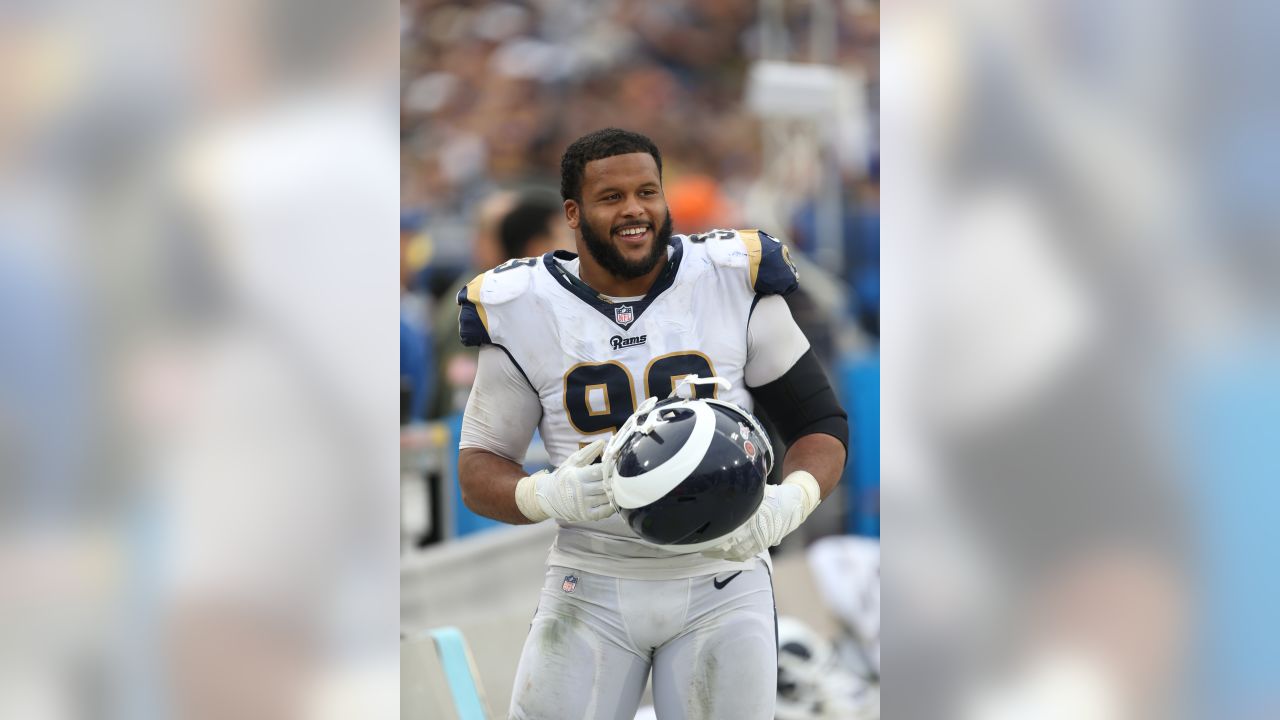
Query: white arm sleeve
[[502, 410], [774, 341]]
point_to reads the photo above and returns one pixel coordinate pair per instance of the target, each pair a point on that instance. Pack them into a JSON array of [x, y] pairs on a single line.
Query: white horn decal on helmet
[[640, 490]]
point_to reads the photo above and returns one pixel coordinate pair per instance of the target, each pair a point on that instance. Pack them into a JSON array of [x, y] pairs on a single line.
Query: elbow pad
[[802, 402]]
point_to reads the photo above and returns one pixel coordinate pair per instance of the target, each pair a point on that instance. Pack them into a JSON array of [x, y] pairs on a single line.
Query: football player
[[570, 344]]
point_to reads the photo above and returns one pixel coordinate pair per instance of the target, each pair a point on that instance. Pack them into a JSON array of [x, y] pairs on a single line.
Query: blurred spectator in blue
[[415, 249], [44, 404], [861, 244], [416, 370], [415, 373]]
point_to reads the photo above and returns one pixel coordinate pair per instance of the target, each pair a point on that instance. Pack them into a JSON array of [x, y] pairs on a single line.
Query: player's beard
[[607, 255]]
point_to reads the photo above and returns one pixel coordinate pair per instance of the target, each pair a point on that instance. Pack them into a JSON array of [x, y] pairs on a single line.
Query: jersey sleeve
[[503, 284], [772, 273], [502, 409], [774, 342], [765, 260]]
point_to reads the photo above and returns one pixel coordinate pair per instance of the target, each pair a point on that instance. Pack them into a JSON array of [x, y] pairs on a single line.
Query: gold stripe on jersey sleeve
[[751, 238], [473, 295]]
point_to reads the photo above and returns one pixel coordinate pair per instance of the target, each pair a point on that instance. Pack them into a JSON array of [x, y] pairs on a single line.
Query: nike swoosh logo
[[727, 580]]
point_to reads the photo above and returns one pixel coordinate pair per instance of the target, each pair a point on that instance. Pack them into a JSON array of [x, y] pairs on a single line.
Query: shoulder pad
[[500, 285], [766, 260]]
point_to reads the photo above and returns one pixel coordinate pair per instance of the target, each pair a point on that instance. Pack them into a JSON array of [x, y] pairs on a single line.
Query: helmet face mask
[[685, 473]]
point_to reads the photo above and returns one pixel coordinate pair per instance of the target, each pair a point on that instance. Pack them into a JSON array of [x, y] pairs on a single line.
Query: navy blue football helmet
[[684, 473]]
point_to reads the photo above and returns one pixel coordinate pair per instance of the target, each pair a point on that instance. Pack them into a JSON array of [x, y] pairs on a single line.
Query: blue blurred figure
[[861, 224], [417, 367]]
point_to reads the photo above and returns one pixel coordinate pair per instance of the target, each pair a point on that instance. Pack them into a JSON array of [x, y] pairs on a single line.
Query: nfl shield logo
[[570, 582], [750, 448], [623, 314]]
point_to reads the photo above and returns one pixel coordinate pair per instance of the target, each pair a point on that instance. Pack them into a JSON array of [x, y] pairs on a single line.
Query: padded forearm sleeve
[[802, 402]]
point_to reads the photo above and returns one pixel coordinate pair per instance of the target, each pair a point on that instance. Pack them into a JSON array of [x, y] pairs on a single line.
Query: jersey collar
[[611, 310]]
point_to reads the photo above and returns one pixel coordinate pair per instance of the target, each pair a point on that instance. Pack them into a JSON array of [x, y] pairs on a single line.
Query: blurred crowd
[[492, 93]]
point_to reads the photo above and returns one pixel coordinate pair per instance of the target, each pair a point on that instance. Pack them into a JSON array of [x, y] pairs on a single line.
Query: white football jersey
[[592, 360]]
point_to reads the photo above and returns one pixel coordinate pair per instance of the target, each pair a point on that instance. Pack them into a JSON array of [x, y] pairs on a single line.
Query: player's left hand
[[784, 507]]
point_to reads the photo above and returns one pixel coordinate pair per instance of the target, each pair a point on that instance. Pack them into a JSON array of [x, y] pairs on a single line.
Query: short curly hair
[[597, 146]]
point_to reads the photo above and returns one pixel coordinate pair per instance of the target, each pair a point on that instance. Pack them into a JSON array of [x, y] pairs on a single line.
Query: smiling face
[[622, 221]]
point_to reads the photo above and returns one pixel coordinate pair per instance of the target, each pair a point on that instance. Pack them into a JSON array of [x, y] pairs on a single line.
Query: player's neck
[[606, 283]]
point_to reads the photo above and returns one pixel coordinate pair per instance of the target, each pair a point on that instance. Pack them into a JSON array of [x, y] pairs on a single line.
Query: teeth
[[633, 231]]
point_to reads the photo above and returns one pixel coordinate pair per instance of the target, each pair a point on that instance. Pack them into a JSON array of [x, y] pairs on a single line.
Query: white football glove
[[573, 492], [784, 507]]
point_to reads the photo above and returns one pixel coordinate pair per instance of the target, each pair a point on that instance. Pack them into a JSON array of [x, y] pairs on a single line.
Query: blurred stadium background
[[767, 116]]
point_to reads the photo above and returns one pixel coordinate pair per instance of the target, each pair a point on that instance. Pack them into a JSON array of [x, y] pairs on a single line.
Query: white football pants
[[710, 641]]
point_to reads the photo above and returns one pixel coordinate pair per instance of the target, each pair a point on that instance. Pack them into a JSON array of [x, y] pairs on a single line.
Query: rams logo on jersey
[[617, 342]]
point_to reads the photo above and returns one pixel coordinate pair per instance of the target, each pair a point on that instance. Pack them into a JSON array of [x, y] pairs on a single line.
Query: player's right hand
[[573, 492]]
